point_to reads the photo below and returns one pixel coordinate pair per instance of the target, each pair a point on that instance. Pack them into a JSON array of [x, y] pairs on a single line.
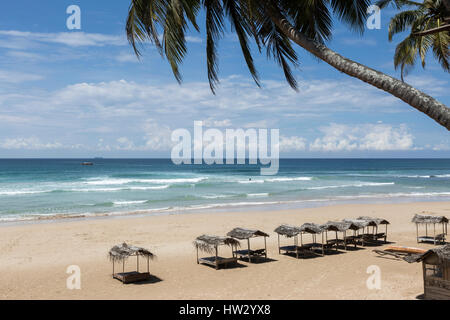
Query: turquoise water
[[30, 189]]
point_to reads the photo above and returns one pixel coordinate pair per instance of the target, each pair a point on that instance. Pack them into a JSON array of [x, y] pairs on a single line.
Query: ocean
[[52, 188]]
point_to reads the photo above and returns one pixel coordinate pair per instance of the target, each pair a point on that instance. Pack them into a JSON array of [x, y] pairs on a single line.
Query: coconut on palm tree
[[274, 25]]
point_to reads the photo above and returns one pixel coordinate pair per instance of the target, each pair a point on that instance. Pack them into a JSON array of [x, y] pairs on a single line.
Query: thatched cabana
[[210, 244], [436, 272], [343, 227], [289, 231], [246, 234], [375, 222], [364, 223], [122, 252], [428, 219], [314, 230]]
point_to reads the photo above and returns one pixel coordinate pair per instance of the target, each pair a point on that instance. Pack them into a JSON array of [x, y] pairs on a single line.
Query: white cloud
[[211, 123], [72, 39], [233, 98], [31, 143], [373, 137], [125, 144], [292, 143], [157, 136], [17, 77], [140, 116]]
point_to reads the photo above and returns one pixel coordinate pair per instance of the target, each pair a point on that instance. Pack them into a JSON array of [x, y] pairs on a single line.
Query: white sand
[[34, 258]]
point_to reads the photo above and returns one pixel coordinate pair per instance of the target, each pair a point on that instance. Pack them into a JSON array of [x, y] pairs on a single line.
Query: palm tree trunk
[[417, 99]]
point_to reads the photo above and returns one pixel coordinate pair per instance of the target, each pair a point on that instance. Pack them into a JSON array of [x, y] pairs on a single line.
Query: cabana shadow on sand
[[122, 252], [246, 234], [210, 244]]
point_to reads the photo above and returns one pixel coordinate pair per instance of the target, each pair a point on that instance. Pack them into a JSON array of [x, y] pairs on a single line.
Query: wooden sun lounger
[[342, 242], [322, 248], [381, 235], [370, 238], [298, 250], [253, 253], [440, 238], [134, 276], [217, 261]]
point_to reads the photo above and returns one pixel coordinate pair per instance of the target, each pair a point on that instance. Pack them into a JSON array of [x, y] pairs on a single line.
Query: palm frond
[[242, 27], [440, 48], [352, 12], [214, 30]]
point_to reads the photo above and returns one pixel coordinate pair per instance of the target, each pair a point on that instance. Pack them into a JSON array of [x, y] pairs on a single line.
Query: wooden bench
[[133, 276], [440, 238], [305, 250], [217, 261], [244, 254]]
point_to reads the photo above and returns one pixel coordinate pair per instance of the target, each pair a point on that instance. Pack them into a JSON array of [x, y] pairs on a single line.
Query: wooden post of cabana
[[279, 251], [216, 260], [210, 244], [265, 247], [247, 234], [121, 253]]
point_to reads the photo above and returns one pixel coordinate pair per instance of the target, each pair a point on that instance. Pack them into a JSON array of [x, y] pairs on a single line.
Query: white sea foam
[[21, 192], [257, 195], [357, 185], [125, 203], [289, 179], [117, 181], [216, 196], [119, 189], [251, 181], [281, 179]]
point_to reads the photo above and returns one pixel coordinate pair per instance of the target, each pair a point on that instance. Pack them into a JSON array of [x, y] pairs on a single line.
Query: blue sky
[[82, 93]]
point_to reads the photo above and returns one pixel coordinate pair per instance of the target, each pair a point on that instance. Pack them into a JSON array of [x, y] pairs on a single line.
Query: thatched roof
[[442, 252], [361, 223], [422, 218], [339, 226], [311, 228], [241, 233], [377, 221], [287, 230], [209, 243], [123, 251]]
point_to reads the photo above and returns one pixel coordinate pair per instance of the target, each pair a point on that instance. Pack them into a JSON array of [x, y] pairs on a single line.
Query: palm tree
[[425, 21], [274, 25]]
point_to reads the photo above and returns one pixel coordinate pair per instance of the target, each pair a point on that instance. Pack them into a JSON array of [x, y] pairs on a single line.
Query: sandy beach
[[34, 257]]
